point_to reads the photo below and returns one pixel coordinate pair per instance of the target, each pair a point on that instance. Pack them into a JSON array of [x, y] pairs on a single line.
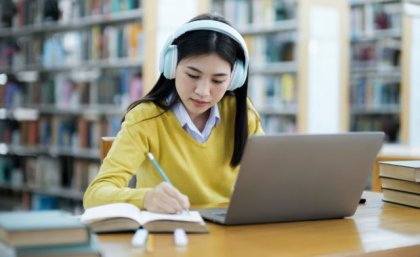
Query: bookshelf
[[72, 67], [298, 52], [68, 70], [382, 83]]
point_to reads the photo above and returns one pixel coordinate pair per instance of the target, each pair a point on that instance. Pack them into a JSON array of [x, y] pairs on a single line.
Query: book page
[[115, 210], [126, 210], [191, 216]]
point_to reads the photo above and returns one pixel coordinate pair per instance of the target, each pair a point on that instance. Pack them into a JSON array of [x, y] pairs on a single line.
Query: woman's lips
[[199, 103]]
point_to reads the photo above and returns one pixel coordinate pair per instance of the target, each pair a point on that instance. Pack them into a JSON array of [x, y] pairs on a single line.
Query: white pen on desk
[[161, 172], [180, 237], [140, 238]]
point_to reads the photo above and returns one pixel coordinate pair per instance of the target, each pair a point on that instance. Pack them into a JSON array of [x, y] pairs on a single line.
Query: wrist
[[148, 199]]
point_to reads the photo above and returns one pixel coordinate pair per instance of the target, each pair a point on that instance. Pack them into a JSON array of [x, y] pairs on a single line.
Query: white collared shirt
[[186, 122]]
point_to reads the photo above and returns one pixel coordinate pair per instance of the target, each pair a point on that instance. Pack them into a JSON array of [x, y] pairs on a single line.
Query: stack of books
[[401, 182], [45, 233]]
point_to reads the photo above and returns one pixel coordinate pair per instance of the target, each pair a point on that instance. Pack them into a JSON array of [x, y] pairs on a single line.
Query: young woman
[[195, 121]]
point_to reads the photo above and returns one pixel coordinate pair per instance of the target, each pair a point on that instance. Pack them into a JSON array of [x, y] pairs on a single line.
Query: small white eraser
[[140, 238], [180, 237]]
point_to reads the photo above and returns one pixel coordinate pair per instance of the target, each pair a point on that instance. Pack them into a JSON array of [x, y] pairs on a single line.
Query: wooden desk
[[377, 229], [392, 153]]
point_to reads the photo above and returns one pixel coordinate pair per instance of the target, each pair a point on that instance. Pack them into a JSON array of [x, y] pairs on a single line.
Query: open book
[[125, 217]]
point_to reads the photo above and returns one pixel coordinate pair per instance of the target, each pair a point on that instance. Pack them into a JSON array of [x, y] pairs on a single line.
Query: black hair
[[199, 42]]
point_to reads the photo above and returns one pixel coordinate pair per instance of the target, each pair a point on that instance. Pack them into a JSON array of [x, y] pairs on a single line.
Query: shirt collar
[[185, 120]]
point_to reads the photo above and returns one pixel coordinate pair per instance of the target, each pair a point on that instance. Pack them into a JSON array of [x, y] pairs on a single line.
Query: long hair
[[199, 42]]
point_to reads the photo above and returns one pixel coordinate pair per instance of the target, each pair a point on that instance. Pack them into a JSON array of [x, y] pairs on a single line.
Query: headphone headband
[[204, 25]]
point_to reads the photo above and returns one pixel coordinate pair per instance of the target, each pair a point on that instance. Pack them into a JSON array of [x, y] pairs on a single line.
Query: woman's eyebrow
[[194, 69], [197, 70]]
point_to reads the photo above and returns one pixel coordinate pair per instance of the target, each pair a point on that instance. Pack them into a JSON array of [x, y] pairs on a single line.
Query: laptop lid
[[292, 177]]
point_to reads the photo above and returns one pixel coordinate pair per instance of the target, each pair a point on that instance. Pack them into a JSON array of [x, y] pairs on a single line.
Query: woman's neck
[[201, 120]]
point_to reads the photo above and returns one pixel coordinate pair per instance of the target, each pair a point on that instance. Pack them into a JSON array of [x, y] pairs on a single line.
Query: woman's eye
[[192, 76], [218, 81]]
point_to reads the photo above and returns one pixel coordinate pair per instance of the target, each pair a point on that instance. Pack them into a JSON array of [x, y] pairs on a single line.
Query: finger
[[166, 201], [177, 195], [170, 204], [155, 201], [170, 189], [186, 202], [158, 204], [162, 207]]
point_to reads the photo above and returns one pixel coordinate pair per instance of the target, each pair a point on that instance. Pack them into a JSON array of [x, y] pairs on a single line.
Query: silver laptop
[[295, 177]]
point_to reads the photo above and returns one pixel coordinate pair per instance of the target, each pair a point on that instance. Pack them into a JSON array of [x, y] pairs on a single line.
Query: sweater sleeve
[[127, 153]]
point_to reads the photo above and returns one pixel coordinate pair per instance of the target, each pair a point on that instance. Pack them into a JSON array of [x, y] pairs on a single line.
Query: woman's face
[[201, 81]]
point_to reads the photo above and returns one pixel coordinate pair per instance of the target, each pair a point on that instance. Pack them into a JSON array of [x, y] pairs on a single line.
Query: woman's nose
[[203, 88]]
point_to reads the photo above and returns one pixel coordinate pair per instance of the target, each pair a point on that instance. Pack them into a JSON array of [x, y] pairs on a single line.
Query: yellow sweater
[[200, 171]]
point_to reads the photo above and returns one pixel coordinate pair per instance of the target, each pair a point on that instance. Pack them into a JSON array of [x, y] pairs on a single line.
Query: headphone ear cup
[[169, 62], [238, 76]]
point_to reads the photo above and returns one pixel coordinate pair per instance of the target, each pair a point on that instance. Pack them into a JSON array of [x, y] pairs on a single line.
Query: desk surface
[[377, 229]]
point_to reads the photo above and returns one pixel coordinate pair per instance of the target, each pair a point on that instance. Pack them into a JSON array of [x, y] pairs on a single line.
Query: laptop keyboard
[[221, 214], [216, 211], [217, 215]]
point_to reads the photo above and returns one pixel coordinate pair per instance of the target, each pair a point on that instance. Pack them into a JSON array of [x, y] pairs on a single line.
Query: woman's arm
[[123, 159]]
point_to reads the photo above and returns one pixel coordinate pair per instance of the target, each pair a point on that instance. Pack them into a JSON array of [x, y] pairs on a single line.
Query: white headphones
[[169, 54]]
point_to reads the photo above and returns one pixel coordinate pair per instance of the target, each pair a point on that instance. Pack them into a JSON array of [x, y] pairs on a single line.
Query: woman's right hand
[[165, 198]]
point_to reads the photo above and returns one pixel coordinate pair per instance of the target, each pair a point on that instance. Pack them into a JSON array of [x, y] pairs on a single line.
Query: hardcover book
[[41, 228], [403, 198], [88, 249], [400, 185], [405, 170]]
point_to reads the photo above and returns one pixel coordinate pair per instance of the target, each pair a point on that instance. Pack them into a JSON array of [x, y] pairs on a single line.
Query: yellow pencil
[[149, 246]]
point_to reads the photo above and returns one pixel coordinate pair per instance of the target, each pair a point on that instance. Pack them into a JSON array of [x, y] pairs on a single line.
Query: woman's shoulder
[[142, 112]]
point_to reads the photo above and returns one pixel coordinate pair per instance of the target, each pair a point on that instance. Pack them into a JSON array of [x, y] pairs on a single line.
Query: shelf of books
[[283, 71], [378, 64], [68, 70]]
